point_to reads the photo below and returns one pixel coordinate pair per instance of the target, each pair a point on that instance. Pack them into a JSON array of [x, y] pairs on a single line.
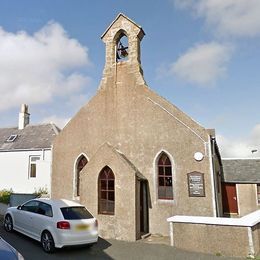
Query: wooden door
[[229, 198], [144, 225]]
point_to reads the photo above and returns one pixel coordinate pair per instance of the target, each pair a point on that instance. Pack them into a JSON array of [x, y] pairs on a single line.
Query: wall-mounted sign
[[196, 184]]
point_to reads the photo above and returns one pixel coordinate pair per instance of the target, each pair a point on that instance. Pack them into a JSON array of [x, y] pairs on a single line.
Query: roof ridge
[[9, 127], [16, 127]]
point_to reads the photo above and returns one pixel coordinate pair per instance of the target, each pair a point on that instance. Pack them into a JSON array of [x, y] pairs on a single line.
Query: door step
[[145, 235]]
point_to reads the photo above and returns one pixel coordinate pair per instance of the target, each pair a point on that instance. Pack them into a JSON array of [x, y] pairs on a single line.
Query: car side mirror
[[19, 207]]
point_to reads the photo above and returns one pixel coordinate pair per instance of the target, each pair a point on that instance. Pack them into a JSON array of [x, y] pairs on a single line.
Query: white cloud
[[59, 121], [205, 63], [34, 69], [241, 148], [239, 18], [202, 64]]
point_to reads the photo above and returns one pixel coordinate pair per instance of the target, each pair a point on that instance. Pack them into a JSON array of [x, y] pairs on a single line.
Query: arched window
[[122, 47], [165, 189], [82, 161], [106, 192]]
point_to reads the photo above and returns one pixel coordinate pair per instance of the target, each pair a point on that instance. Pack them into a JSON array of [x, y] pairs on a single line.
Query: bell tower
[[122, 40]]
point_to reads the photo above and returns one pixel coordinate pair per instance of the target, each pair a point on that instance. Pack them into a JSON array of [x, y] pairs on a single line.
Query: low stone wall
[[218, 236]]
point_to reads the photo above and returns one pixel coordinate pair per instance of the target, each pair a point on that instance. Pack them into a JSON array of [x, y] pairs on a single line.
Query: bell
[[124, 53], [121, 51]]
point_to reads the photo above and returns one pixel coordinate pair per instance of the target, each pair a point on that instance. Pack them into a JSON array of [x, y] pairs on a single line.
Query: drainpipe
[[213, 154], [43, 154]]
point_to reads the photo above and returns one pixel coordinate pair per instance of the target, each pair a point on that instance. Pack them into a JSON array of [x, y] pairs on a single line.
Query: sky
[[201, 55]]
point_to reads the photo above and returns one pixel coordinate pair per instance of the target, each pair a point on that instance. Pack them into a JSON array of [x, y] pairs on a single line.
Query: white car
[[55, 223]]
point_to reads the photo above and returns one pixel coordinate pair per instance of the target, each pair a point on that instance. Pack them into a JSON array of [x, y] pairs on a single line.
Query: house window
[[258, 194], [11, 138], [82, 161], [165, 189], [33, 166], [106, 192]]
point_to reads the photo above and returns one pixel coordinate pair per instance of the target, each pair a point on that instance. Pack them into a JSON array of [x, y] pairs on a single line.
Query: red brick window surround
[[165, 189], [106, 192], [258, 194]]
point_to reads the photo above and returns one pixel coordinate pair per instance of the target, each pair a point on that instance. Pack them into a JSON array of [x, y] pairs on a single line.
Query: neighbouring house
[[26, 155], [241, 202], [240, 186], [129, 155]]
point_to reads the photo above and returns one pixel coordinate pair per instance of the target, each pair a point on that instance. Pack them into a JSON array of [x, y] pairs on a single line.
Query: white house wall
[[14, 171]]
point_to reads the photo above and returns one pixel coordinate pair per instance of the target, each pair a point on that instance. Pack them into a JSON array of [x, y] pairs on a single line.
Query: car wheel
[[8, 223], [47, 242]]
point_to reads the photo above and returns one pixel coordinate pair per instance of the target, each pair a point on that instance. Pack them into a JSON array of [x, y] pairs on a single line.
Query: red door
[[229, 198]]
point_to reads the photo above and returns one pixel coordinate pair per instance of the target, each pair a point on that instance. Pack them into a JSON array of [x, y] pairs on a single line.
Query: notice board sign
[[196, 184]]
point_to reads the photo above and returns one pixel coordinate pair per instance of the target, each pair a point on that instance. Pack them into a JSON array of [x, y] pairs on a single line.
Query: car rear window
[[76, 213]]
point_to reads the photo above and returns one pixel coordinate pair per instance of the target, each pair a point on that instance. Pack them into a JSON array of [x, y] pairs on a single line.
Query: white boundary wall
[[249, 222]]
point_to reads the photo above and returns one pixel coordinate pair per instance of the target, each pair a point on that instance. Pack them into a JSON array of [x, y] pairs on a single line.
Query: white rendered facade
[[15, 170]]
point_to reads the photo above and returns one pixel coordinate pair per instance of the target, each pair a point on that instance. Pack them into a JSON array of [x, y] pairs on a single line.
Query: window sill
[[106, 214], [162, 201]]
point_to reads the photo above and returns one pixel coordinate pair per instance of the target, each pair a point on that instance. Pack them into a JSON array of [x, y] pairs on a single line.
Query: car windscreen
[[71, 213]]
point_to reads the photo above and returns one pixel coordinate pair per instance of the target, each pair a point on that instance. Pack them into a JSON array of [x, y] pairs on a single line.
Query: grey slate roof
[[241, 170], [32, 137]]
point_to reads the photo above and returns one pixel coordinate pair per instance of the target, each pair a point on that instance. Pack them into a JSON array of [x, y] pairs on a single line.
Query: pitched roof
[[118, 16], [119, 155], [241, 170], [32, 137], [137, 172]]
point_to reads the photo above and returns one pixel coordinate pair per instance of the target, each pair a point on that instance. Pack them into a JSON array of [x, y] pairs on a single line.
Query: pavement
[[154, 247]]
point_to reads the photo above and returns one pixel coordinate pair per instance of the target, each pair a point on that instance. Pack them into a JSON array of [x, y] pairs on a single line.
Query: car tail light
[[96, 223], [63, 225]]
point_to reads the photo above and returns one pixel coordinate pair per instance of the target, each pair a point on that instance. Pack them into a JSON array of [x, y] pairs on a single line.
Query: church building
[[129, 155]]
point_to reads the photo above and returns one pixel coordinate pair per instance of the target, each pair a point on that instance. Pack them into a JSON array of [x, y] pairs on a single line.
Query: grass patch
[[41, 191]]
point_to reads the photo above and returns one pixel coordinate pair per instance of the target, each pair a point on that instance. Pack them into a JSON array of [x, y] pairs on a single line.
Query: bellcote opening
[[122, 39], [122, 50]]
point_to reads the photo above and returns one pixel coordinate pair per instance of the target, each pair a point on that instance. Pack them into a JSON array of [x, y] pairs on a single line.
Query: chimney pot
[[24, 117]]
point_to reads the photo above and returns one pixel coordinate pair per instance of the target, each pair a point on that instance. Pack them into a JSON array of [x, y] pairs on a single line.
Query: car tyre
[[47, 241], [8, 223]]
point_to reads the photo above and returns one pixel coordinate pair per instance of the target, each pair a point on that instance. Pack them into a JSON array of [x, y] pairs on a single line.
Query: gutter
[[26, 150], [212, 155]]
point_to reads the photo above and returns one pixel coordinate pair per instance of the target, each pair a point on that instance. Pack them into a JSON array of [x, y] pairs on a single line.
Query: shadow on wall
[[149, 196]]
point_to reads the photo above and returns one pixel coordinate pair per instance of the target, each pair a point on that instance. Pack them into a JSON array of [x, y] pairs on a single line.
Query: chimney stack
[[24, 117]]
